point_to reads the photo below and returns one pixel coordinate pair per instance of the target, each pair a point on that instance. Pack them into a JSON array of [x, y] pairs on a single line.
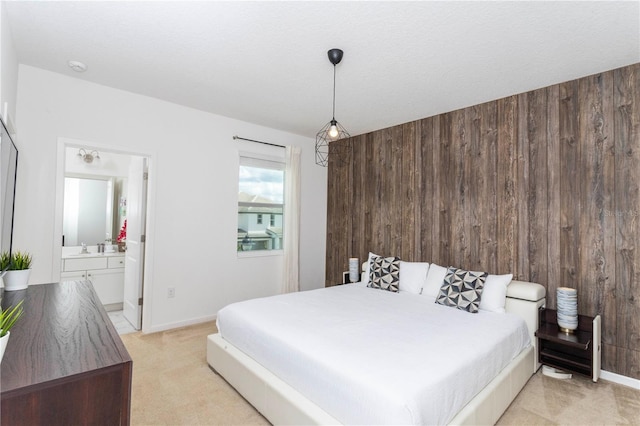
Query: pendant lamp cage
[[327, 145]]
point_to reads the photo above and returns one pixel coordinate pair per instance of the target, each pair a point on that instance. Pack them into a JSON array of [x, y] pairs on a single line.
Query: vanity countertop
[[92, 254]]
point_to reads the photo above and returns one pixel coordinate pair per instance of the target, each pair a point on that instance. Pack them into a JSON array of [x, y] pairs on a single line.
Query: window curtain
[[291, 275]]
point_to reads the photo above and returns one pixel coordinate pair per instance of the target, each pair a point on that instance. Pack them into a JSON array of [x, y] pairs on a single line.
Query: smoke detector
[[77, 66]]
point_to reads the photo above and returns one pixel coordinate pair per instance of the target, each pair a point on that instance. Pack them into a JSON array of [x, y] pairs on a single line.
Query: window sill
[[259, 253]]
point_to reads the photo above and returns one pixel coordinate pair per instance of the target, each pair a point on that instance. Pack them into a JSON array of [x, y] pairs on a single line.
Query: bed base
[[282, 404], [492, 401], [274, 399]]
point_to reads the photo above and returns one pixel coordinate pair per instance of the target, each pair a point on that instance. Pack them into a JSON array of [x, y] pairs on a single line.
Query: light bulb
[[333, 131]]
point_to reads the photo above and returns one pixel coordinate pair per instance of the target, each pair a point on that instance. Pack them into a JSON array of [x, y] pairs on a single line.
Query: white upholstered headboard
[[525, 299]]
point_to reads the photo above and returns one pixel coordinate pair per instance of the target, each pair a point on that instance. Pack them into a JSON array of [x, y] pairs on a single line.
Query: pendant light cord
[[334, 92]]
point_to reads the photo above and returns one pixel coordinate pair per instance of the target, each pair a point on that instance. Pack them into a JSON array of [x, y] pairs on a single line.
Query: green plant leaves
[[8, 317], [5, 260], [18, 261]]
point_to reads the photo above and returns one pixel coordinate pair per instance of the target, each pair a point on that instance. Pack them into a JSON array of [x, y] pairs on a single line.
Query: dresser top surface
[[64, 331]]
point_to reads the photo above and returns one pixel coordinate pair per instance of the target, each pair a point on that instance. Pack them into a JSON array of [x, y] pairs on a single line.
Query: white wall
[[8, 67], [193, 189]]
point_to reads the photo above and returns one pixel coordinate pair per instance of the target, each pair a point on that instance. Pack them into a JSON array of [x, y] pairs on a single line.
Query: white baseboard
[[620, 379], [179, 324]]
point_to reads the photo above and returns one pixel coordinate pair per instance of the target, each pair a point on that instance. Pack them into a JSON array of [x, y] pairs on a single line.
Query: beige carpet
[[173, 385]]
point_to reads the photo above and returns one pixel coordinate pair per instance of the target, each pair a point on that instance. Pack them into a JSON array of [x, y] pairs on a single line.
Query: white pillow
[[365, 277], [494, 293], [413, 276], [435, 279]]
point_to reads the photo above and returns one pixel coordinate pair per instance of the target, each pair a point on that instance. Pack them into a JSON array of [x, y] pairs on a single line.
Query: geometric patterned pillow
[[384, 273], [462, 289]]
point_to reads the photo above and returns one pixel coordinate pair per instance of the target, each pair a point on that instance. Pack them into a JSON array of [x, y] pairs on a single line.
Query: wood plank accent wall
[[544, 185]]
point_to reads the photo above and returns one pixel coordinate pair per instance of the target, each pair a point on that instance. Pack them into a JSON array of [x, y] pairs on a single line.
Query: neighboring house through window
[[260, 193]]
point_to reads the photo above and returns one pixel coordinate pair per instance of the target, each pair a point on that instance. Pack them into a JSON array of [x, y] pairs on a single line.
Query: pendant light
[[332, 131]]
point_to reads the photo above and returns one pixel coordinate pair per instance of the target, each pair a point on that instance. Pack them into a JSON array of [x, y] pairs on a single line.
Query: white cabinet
[[106, 273]]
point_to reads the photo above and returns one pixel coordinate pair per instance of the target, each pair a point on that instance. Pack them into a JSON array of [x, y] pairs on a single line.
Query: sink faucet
[[84, 248]]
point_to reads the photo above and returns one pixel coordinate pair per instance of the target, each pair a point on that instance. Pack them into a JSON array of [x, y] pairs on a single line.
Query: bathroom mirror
[[92, 209]]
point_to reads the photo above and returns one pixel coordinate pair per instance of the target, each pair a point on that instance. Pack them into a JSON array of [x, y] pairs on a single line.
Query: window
[[260, 193]]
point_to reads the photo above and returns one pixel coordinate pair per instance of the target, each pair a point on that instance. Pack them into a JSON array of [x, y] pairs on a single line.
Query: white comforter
[[370, 356]]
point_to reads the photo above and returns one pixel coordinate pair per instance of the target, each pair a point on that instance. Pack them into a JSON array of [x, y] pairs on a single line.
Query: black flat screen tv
[[8, 169]]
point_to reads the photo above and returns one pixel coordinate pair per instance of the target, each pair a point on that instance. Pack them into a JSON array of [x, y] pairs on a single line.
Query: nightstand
[[579, 352], [345, 278]]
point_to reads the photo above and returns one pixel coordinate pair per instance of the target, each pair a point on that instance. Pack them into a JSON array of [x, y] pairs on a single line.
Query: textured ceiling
[[266, 62]]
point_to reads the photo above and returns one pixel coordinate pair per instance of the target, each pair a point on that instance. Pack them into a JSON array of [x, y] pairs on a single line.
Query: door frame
[[147, 285]]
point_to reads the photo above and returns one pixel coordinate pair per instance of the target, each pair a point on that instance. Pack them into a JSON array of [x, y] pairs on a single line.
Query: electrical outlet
[[171, 292]]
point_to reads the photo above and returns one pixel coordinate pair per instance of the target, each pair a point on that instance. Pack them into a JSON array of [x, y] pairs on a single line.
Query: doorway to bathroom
[[101, 211]]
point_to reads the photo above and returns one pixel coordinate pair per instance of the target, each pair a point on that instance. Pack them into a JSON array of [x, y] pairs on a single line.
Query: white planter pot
[[16, 280], [3, 344]]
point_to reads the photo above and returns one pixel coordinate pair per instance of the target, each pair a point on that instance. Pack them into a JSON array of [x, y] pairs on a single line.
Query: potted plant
[[17, 276], [8, 318]]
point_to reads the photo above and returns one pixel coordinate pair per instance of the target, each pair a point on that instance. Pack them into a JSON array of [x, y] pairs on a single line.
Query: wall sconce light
[[332, 131], [88, 157]]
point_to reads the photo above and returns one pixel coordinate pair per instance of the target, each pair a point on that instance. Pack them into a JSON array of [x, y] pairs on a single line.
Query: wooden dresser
[[65, 363]]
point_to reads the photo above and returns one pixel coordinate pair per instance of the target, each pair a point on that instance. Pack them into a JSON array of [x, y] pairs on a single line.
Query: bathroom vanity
[[104, 270]]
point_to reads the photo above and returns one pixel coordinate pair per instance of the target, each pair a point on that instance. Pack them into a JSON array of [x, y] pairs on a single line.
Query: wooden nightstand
[[345, 278], [578, 352]]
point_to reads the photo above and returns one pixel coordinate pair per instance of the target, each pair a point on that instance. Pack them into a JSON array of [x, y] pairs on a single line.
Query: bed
[[357, 362]]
